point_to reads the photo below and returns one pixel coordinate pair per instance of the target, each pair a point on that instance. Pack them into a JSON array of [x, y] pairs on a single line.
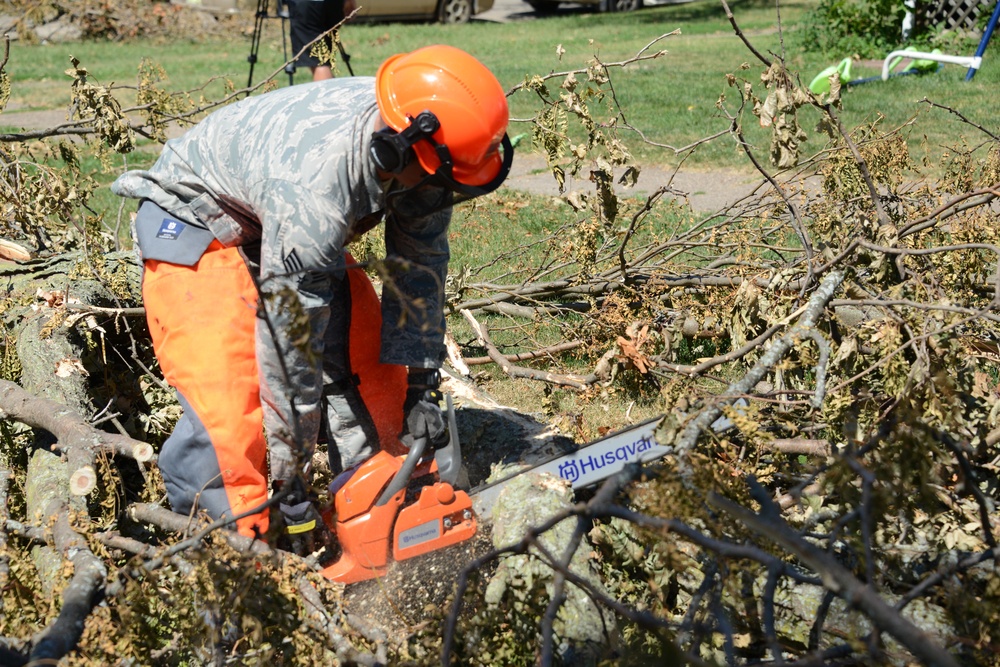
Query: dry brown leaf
[[67, 367]]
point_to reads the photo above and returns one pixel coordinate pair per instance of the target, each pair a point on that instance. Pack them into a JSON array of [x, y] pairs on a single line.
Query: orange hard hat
[[464, 96]]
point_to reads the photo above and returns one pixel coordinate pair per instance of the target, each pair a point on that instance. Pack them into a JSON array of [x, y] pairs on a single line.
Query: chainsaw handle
[[402, 476], [449, 457]]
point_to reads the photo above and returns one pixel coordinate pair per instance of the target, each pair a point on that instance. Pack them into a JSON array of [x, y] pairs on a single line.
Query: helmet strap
[[420, 200], [443, 175]]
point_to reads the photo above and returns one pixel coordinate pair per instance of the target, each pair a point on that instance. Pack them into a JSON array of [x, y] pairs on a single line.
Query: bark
[[837, 578], [80, 594], [55, 397], [525, 356], [581, 625], [4, 516], [74, 437]]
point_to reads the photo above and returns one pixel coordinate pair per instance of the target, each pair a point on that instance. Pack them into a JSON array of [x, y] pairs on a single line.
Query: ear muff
[[392, 151], [387, 154]]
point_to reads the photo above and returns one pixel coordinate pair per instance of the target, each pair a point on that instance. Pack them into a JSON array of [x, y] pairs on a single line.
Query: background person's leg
[[307, 20]]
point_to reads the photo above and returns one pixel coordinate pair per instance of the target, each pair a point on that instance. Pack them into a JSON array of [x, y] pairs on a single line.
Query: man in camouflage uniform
[[242, 230]]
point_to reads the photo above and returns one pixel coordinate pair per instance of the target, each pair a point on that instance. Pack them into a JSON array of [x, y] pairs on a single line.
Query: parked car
[[443, 11], [549, 6]]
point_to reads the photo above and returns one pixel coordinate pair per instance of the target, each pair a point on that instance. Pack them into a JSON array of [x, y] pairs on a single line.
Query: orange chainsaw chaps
[[382, 386]]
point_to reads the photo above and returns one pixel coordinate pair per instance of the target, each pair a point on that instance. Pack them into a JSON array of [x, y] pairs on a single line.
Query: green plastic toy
[[821, 83]]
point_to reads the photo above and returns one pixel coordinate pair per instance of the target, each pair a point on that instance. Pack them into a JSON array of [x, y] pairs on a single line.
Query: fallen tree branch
[[181, 523], [638, 57], [319, 619], [74, 437], [810, 316], [959, 203], [806, 446], [572, 381], [733, 355], [89, 573], [739, 33], [454, 352], [24, 531], [4, 519], [101, 310], [524, 356], [318, 616], [836, 577]]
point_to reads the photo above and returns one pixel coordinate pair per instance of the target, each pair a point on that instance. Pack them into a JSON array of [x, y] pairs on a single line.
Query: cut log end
[[14, 251], [83, 481], [142, 452], [455, 355]]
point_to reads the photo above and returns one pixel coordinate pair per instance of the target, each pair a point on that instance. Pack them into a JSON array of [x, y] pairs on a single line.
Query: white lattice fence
[[955, 14]]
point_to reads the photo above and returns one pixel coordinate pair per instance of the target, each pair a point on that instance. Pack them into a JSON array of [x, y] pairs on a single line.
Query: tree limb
[[572, 381], [74, 436], [836, 577]]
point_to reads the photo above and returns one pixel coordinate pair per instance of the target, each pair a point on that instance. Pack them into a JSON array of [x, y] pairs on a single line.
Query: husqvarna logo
[[420, 534], [574, 469], [170, 229]]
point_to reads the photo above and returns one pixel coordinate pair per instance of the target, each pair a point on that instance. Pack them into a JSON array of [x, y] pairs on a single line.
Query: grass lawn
[[672, 99]]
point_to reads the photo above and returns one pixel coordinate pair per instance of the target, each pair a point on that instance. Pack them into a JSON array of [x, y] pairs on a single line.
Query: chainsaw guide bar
[[375, 524], [586, 464], [595, 461]]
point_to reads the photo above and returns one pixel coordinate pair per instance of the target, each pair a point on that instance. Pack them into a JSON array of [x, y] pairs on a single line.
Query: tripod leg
[[345, 56], [289, 67], [258, 28]]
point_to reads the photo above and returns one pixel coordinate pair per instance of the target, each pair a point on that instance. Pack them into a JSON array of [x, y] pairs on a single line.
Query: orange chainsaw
[[371, 522], [375, 525]]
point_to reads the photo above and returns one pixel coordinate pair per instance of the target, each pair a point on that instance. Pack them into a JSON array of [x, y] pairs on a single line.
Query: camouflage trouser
[[364, 385]]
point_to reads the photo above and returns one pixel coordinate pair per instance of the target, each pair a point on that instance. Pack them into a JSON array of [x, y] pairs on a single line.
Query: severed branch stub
[[74, 436], [82, 480]]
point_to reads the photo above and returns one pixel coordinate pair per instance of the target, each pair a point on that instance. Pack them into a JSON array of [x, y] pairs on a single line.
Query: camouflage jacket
[[290, 170]]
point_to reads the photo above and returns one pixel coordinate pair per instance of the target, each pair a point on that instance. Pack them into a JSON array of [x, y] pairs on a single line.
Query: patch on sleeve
[[293, 263], [170, 229]]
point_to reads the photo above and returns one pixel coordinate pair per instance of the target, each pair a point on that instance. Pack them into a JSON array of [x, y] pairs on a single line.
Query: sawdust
[[420, 591], [416, 592]]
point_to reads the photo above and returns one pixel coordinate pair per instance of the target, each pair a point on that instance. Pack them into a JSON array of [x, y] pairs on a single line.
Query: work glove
[[423, 417], [303, 530]]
